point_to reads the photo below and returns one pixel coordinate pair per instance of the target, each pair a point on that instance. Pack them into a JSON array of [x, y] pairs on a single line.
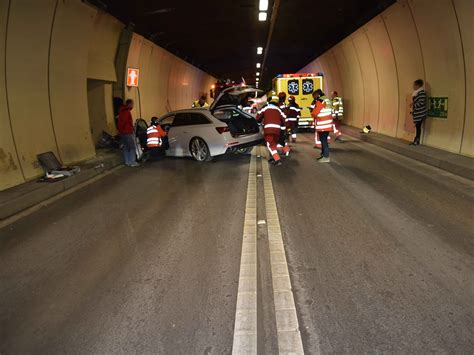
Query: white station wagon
[[205, 133]]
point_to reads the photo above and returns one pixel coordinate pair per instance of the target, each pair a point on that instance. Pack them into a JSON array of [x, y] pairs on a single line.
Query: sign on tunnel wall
[[132, 76], [438, 107]]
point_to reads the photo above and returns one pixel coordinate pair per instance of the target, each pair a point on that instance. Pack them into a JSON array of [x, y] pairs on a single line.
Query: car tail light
[[223, 129]]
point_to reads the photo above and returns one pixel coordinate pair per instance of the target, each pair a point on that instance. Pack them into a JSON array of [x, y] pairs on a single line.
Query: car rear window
[[189, 119]]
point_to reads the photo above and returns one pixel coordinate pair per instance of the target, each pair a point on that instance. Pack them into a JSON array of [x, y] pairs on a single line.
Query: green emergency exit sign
[[438, 107]]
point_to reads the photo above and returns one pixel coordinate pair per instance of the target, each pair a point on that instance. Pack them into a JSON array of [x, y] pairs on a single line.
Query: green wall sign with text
[[438, 107]]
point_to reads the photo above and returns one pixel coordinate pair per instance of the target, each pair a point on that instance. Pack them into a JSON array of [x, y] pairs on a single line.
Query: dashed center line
[[287, 327], [289, 336], [245, 330]]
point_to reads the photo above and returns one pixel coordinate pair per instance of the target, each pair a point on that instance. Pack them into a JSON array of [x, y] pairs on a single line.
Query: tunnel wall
[[373, 70], [57, 60], [166, 82]]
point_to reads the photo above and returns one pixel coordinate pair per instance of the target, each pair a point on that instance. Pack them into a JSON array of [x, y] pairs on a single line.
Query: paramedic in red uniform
[[293, 113], [322, 114], [273, 123]]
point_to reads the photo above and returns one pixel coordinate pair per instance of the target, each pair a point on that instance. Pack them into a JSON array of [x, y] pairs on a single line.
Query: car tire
[[199, 150]]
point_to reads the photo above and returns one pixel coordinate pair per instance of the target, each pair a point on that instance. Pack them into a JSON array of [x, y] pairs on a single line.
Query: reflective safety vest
[[196, 104], [293, 113], [154, 135], [322, 114], [337, 107]]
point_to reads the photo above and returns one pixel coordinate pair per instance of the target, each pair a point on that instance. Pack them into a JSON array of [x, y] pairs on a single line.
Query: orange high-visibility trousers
[[272, 142]]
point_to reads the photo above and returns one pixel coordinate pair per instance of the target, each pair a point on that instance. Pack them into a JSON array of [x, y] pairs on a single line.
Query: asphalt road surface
[[379, 248]]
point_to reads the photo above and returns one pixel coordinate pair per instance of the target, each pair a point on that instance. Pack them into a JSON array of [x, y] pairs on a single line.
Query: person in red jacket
[[127, 133], [273, 123], [322, 114]]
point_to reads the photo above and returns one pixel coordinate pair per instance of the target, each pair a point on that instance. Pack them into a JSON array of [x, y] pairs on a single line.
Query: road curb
[[454, 163]]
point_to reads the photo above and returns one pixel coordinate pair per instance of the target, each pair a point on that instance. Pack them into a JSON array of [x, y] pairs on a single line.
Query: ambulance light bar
[[299, 75]]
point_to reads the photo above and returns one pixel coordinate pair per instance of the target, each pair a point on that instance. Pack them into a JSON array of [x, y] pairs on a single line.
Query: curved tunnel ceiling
[[221, 37]]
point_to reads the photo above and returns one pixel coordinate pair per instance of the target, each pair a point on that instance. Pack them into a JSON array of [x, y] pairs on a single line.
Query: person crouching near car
[[156, 139], [273, 123]]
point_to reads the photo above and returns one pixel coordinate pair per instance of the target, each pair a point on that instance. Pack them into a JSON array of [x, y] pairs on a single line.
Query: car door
[[178, 133], [167, 124]]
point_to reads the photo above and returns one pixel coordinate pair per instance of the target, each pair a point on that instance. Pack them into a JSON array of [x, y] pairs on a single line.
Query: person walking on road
[[419, 110], [127, 133], [322, 114], [273, 123]]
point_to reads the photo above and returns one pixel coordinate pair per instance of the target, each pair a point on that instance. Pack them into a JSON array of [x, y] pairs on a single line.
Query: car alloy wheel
[[200, 150]]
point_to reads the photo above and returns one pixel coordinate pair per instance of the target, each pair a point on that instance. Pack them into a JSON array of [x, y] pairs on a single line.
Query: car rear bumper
[[244, 145]]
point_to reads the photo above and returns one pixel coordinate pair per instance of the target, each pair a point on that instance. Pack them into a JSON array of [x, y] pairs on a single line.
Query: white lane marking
[[289, 336], [245, 330]]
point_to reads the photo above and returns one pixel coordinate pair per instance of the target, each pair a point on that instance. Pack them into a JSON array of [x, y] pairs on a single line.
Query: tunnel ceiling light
[[258, 73], [259, 65], [263, 5], [262, 16], [259, 50]]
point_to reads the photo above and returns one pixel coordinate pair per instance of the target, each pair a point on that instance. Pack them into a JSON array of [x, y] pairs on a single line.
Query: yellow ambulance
[[301, 86]]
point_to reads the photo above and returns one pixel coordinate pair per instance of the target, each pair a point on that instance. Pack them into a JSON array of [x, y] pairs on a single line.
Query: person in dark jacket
[[418, 107], [127, 133]]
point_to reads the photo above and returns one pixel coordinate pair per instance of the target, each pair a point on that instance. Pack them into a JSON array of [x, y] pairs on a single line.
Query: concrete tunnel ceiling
[[221, 37]]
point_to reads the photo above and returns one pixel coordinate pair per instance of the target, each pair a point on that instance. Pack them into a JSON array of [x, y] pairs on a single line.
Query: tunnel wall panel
[[369, 78], [465, 10], [357, 83], [10, 169], [27, 78], [409, 41], [341, 63], [70, 38], [328, 81], [409, 60], [336, 83], [103, 48], [386, 74]]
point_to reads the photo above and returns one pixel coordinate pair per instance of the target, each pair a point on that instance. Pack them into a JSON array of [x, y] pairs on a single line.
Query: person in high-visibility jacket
[[156, 139], [322, 114], [293, 113], [201, 103], [273, 119], [337, 114]]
